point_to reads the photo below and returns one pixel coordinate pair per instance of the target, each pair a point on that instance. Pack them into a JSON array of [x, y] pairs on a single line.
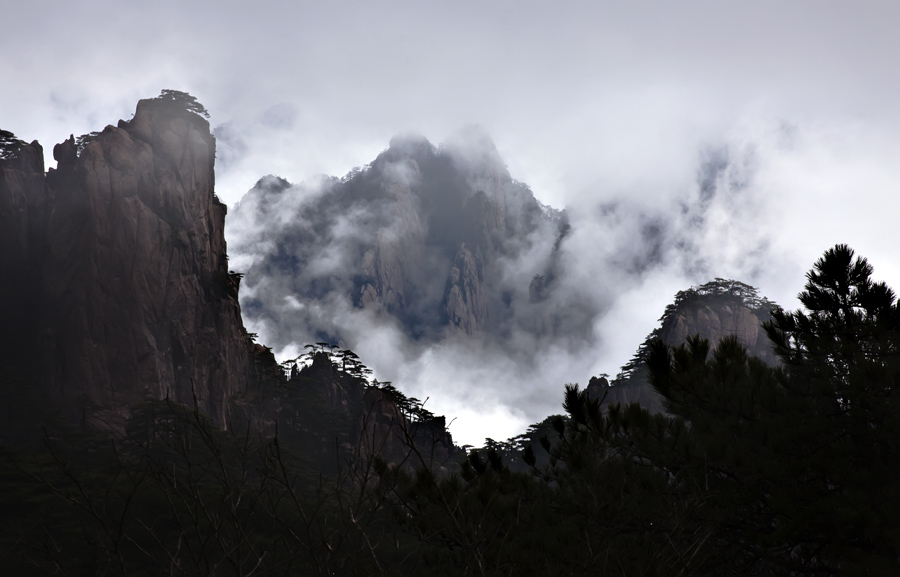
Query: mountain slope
[[439, 240]]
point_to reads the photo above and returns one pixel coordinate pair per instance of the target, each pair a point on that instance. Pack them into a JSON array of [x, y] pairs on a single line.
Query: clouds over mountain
[[448, 277]]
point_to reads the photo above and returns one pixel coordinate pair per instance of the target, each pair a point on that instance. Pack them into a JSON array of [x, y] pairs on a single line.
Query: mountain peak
[[473, 148], [411, 144], [129, 234], [424, 235]]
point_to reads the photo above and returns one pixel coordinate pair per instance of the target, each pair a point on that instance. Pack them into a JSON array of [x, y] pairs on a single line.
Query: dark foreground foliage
[[755, 471]]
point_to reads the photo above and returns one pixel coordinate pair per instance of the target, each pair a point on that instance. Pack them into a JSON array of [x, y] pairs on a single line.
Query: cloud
[[758, 203], [305, 246]]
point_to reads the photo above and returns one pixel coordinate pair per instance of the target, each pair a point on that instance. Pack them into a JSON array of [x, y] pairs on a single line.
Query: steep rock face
[[464, 302], [377, 425], [117, 291], [632, 390], [338, 390], [132, 298], [717, 321], [333, 417], [713, 310], [22, 209], [424, 235], [382, 429]]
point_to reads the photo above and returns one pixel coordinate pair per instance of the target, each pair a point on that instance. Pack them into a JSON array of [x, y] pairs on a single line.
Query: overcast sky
[[590, 103]]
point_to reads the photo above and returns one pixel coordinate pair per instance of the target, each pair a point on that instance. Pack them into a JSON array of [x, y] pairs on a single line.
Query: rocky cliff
[[116, 285], [116, 290], [714, 318], [22, 228], [427, 237], [382, 428], [329, 413], [712, 310]]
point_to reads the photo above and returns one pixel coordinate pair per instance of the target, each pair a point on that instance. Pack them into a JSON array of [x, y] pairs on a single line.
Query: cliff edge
[[116, 285]]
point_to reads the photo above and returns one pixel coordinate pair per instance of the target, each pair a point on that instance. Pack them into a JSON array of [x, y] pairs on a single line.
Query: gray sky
[[590, 103]]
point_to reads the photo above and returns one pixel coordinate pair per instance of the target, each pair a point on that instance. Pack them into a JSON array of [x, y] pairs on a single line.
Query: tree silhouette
[[9, 144], [182, 101], [84, 140], [798, 462]]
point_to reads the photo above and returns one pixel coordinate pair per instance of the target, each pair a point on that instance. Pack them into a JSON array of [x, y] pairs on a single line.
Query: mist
[[628, 251]]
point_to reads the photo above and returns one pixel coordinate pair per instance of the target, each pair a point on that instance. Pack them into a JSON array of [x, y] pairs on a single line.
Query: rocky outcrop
[[339, 390], [333, 416], [119, 258], [22, 216], [716, 321], [464, 301], [378, 425], [116, 291], [633, 390], [713, 310], [381, 428]]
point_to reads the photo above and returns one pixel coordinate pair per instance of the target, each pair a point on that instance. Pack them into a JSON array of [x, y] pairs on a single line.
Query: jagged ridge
[[425, 235], [116, 286]]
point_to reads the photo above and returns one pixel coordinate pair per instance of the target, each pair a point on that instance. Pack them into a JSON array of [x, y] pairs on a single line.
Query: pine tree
[[9, 144], [799, 464], [182, 102], [842, 355]]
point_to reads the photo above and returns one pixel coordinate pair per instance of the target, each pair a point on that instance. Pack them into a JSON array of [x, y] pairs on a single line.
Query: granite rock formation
[[713, 310], [333, 416], [424, 236], [716, 320], [116, 290], [116, 284], [381, 428], [22, 208]]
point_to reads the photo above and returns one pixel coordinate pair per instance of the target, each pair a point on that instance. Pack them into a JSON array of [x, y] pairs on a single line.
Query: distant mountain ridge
[[431, 237]]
